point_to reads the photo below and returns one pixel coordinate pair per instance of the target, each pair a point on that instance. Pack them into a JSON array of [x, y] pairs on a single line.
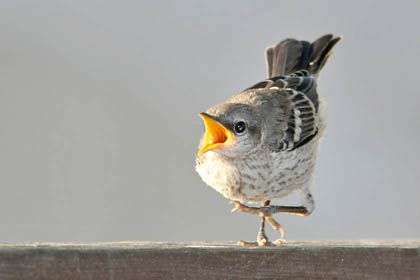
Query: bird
[[262, 143]]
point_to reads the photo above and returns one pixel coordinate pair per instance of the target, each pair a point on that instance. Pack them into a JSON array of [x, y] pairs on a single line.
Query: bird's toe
[[247, 243], [279, 242]]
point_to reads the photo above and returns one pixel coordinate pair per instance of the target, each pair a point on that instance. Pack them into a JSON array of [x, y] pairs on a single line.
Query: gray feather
[[292, 55], [294, 66], [283, 57]]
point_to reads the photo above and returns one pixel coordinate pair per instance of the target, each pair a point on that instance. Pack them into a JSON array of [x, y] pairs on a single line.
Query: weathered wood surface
[[151, 260]]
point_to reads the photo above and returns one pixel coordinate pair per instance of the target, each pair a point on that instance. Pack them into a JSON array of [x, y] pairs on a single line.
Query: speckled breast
[[260, 175]]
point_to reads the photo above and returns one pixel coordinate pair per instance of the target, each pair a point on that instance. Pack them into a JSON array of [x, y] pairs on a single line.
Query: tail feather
[[292, 55]]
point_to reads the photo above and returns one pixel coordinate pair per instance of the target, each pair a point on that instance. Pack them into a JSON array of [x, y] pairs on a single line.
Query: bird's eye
[[240, 127]]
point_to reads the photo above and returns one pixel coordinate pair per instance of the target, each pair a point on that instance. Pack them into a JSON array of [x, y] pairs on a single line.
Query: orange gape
[[216, 134]]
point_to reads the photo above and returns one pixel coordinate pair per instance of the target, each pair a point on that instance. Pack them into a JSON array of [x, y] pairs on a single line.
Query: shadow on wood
[[153, 260]]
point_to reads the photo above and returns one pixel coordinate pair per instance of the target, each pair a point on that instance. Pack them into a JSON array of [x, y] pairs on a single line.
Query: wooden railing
[[153, 260]]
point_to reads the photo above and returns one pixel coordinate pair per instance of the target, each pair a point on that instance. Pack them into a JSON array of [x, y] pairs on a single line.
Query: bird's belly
[[276, 178]]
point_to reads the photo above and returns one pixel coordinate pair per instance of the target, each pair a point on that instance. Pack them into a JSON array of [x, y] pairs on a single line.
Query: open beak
[[216, 134]]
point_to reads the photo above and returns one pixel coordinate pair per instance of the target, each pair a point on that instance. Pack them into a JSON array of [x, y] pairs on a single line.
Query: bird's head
[[231, 129]]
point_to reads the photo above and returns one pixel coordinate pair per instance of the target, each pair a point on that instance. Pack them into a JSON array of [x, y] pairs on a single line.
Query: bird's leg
[[262, 238], [266, 211]]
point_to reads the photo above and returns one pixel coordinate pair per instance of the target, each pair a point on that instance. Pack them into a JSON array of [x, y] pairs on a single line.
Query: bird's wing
[[293, 67], [300, 81], [301, 124], [302, 103]]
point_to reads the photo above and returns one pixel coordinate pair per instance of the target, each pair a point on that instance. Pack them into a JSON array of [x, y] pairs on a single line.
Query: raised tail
[[292, 55]]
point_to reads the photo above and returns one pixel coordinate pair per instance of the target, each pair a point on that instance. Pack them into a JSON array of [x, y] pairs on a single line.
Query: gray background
[[99, 121]]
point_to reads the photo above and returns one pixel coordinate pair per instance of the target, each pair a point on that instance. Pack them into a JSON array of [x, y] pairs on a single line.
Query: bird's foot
[[262, 239], [261, 211], [279, 242], [264, 211], [268, 210], [262, 243], [255, 243]]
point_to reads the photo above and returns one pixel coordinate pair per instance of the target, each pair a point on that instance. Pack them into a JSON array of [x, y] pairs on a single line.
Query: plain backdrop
[[99, 125]]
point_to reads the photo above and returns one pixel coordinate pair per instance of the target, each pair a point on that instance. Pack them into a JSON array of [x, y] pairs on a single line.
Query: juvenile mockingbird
[[262, 143]]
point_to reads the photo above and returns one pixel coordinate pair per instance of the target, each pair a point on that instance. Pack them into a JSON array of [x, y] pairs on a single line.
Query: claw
[[279, 242], [237, 205], [247, 209]]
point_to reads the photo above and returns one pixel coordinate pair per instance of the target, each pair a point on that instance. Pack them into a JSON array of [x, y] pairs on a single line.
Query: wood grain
[[151, 260]]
